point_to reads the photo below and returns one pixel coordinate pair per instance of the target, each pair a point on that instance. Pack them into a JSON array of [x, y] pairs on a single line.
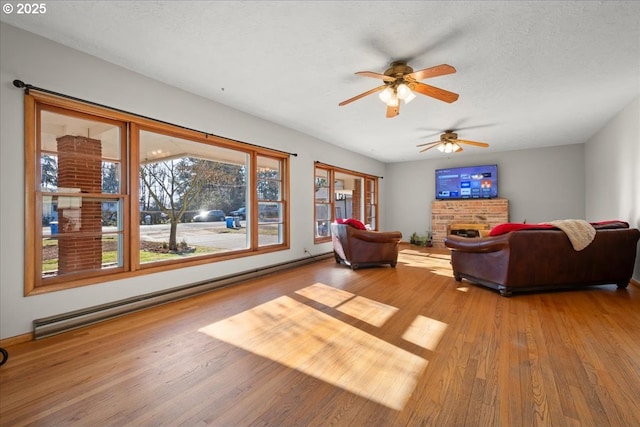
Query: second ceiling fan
[[449, 143], [400, 81]]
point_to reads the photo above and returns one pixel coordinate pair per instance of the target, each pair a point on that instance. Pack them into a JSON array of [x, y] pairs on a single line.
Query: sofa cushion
[[352, 222], [608, 225]]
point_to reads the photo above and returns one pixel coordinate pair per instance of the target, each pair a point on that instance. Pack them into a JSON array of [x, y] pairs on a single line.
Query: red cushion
[[515, 226], [352, 222]]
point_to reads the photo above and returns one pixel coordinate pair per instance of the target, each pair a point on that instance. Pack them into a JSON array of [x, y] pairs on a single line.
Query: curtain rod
[[27, 87], [318, 162]]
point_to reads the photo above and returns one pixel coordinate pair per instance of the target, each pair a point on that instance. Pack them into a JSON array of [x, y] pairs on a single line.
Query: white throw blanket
[[579, 231]]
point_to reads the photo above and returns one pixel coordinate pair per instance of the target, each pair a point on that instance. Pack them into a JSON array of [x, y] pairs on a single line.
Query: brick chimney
[[80, 221]]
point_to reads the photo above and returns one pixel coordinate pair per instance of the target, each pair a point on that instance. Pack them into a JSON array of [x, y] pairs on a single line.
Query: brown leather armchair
[[359, 248]]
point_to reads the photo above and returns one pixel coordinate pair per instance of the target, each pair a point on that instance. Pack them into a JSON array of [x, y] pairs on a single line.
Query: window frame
[[330, 203], [34, 282], [84, 197], [369, 201], [257, 220]]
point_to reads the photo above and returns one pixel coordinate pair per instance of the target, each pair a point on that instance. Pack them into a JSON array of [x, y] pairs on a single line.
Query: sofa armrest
[[479, 245], [376, 236]]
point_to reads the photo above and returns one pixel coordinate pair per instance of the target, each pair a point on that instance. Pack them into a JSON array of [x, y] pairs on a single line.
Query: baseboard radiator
[[60, 323]]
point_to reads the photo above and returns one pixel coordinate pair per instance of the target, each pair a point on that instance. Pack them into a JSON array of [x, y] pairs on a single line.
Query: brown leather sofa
[[362, 248], [537, 259]]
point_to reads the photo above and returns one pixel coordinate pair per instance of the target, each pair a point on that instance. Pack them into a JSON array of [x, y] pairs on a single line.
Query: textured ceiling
[[529, 74]]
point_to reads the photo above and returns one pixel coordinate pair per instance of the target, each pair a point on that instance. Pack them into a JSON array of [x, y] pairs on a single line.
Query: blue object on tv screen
[[470, 182]]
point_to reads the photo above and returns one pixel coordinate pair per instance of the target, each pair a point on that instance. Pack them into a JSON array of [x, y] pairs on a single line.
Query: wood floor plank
[[568, 358]]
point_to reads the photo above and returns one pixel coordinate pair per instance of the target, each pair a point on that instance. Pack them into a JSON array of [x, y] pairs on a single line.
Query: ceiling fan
[[399, 83], [449, 143]]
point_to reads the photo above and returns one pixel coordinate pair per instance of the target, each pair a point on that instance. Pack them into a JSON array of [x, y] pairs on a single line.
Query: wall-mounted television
[[469, 182]]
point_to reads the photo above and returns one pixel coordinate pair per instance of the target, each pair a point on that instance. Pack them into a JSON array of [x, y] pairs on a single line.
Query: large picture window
[[110, 195], [186, 191]]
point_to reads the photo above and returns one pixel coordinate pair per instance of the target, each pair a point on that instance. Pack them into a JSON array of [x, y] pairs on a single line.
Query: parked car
[[242, 213], [209, 216], [268, 211]]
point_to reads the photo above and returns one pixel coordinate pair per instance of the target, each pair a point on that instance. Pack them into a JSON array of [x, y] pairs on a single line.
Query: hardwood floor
[[323, 345]]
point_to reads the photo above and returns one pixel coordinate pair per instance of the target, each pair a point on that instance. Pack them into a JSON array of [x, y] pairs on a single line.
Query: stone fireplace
[[444, 213]]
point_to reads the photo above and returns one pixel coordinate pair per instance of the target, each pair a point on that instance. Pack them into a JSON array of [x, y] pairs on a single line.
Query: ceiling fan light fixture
[[393, 102], [448, 147], [400, 82], [449, 143], [386, 94], [410, 97], [403, 91]]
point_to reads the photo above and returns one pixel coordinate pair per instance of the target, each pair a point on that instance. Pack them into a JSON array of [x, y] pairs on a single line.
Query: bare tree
[[173, 185]]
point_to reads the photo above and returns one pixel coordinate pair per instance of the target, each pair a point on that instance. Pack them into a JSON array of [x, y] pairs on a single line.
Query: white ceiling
[[529, 74]]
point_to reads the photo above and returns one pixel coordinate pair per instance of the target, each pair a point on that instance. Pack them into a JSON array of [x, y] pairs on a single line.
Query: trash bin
[[236, 222], [147, 219], [229, 222], [53, 225]]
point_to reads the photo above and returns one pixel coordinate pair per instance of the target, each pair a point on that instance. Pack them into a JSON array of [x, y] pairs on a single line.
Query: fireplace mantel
[[476, 211]]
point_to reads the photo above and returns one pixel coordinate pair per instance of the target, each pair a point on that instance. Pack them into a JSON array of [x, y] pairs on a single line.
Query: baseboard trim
[[635, 283], [58, 324]]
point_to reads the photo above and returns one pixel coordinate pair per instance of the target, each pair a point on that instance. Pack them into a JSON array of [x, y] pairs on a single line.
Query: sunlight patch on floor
[[373, 312], [437, 263], [425, 332], [325, 294], [303, 338]]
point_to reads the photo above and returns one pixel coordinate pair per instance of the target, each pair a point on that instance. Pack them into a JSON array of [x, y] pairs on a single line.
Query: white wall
[[613, 171], [541, 184], [45, 64]]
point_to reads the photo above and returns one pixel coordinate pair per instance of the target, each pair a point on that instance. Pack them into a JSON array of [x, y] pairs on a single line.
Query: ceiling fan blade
[[455, 126], [434, 92], [376, 76], [458, 150], [393, 111], [362, 95], [478, 144], [430, 147], [459, 128], [430, 135], [427, 143], [438, 70]]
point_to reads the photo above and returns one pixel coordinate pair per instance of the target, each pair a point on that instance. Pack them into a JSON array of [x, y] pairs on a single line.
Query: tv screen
[[470, 182]]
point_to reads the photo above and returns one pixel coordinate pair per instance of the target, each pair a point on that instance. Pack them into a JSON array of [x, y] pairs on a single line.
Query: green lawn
[[111, 257], [50, 252]]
